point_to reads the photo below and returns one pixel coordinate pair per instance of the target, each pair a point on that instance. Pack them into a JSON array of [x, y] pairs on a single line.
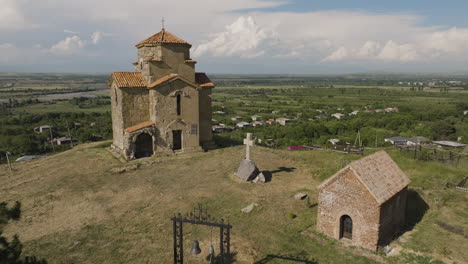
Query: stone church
[[164, 107], [365, 202]]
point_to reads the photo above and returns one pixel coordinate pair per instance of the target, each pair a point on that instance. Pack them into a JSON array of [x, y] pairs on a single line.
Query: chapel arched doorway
[[346, 227], [143, 146]]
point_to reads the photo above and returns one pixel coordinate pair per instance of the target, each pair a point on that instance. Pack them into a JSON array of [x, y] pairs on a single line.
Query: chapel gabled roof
[[378, 173], [128, 79], [162, 37]]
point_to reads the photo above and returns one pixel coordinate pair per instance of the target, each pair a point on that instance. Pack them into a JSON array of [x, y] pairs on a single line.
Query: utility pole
[[8, 161], [69, 135], [51, 139], [376, 138]]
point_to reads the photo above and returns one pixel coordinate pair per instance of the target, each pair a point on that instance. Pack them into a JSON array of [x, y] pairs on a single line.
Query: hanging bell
[[195, 248], [211, 252]]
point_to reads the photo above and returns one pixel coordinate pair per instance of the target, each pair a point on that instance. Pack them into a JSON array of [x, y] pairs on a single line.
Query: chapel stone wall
[[347, 196]]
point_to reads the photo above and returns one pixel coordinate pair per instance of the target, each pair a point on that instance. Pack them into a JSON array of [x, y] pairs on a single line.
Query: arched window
[[178, 104]]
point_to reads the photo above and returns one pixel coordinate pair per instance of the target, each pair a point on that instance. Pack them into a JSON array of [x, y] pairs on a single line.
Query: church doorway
[[176, 139], [143, 146], [346, 227]]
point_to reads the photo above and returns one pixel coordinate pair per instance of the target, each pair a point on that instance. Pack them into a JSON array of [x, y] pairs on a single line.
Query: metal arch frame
[[200, 216]]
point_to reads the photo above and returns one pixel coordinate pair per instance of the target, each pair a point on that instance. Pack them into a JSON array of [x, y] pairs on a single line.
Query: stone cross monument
[[248, 142], [247, 170]]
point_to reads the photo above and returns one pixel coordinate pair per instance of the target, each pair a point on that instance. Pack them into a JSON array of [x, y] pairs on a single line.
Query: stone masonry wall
[[392, 216], [117, 119], [347, 196], [135, 106], [205, 116], [164, 114]]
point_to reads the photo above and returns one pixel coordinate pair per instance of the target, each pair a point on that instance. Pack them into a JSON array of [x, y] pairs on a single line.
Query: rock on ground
[[300, 196], [247, 170], [249, 208]]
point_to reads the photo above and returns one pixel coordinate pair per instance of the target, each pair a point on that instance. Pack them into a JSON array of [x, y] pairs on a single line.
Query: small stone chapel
[[164, 107], [365, 202]]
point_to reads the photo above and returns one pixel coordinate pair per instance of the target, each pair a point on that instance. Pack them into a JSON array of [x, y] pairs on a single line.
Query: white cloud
[[13, 55], [369, 49], [337, 55], [218, 30], [243, 38], [11, 17], [393, 51], [69, 45], [96, 37], [71, 31]]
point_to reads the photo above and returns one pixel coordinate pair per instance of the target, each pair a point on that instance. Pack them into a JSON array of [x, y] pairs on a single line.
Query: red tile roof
[[162, 37], [128, 79], [190, 61], [203, 80], [163, 80], [139, 126], [378, 173]]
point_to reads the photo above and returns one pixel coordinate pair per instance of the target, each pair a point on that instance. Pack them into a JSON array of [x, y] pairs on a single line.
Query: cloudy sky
[[241, 36]]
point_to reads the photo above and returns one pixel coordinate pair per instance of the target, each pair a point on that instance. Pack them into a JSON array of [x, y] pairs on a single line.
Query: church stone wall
[[117, 118], [164, 114], [135, 106], [205, 116], [347, 196]]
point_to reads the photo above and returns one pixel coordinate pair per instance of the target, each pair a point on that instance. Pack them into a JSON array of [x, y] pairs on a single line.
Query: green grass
[[59, 106], [75, 209]]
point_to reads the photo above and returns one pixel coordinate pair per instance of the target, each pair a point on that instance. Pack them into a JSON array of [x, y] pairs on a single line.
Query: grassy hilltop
[[76, 207]]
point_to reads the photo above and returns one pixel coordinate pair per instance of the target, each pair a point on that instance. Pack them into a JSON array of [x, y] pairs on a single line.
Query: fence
[[426, 153]]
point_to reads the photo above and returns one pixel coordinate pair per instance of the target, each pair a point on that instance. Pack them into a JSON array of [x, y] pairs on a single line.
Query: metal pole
[[181, 241], [174, 233], [221, 243], [8, 161], [228, 241]]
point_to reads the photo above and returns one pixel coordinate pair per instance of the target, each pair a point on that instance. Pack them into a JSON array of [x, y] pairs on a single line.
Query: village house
[[353, 113], [96, 123], [449, 144], [338, 115], [236, 118], [465, 112], [257, 123], [256, 117], [164, 107], [321, 116], [275, 112], [62, 141], [243, 124], [333, 141], [283, 121], [364, 203], [218, 128], [42, 128], [416, 141], [219, 113], [391, 109], [270, 121], [397, 140]]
